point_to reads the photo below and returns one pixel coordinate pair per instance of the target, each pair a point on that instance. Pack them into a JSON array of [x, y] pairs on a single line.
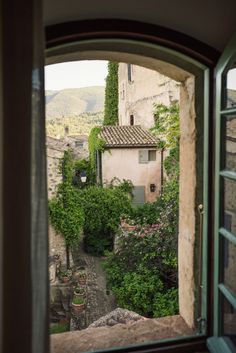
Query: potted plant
[[79, 292], [78, 304], [65, 276], [82, 277]]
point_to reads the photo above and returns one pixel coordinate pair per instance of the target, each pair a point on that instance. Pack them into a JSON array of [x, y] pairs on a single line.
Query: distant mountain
[[74, 101]]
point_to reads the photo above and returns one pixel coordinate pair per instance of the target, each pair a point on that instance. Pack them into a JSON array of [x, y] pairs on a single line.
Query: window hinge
[[201, 325]]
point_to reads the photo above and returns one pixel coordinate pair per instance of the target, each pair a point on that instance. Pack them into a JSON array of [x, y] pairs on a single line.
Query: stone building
[[130, 153], [55, 151], [139, 89], [127, 155]]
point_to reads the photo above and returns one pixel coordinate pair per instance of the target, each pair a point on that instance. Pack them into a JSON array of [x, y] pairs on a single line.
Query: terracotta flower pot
[[65, 279], [78, 308]]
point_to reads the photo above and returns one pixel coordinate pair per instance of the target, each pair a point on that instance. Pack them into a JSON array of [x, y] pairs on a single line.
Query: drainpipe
[[162, 169]]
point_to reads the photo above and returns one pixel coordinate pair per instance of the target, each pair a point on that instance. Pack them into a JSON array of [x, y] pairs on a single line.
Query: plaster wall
[[137, 96], [187, 194], [123, 163]]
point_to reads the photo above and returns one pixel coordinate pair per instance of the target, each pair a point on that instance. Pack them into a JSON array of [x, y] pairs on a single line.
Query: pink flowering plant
[[142, 273]]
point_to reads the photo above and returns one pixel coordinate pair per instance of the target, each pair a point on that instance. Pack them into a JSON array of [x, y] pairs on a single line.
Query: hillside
[[76, 125], [74, 102]]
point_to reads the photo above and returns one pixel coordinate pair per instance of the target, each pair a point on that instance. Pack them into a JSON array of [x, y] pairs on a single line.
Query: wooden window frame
[[25, 327]]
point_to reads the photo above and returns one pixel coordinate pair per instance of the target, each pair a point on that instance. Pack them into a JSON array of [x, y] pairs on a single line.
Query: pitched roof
[[127, 136]]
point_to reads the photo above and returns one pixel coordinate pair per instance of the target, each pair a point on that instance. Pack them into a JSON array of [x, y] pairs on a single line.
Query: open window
[[192, 79], [28, 329]]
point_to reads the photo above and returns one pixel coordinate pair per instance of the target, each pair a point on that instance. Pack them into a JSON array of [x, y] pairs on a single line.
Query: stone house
[[130, 156], [130, 153], [139, 88]]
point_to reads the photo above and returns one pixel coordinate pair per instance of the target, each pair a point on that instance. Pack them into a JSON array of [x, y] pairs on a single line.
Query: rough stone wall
[[136, 97], [121, 335], [187, 207], [55, 151]]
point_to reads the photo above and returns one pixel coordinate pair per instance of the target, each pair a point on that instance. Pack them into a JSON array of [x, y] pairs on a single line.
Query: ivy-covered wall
[[111, 95]]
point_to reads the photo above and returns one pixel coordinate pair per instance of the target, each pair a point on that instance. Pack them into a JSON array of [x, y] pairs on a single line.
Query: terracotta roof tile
[[127, 136]]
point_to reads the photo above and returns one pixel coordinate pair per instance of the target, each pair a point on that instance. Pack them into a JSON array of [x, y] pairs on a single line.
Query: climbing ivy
[[166, 127], [167, 131], [65, 212], [111, 95], [95, 144]]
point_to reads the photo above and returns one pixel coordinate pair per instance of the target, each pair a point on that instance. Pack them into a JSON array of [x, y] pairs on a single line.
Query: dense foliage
[[95, 144], [166, 127], [102, 209], [143, 271], [66, 217], [90, 208], [111, 95], [83, 165]]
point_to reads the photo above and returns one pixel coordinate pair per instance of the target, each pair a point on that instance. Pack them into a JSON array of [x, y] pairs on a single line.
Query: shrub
[[143, 272], [102, 209], [145, 268], [83, 165]]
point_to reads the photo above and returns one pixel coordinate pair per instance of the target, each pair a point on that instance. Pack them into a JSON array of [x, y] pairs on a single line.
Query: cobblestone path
[[99, 302]]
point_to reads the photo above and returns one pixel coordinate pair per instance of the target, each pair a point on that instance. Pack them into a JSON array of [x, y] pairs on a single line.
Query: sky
[[87, 73], [75, 74], [231, 79]]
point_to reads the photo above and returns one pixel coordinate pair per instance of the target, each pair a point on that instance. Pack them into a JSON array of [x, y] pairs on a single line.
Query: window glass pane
[[152, 155], [229, 135], [229, 85], [229, 320], [229, 200], [229, 261]]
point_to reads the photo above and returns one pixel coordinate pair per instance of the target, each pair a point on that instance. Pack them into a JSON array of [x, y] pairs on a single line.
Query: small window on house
[[79, 143], [131, 118], [146, 156], [129, 71], [152, 155]]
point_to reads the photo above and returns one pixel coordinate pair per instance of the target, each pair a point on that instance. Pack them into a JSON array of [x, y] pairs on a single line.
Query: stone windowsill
[[92, 339]]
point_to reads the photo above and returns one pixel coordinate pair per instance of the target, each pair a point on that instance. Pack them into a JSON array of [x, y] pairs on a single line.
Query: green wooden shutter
[[224, 335]]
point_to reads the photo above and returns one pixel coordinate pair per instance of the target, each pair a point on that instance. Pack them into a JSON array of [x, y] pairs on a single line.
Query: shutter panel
[[143, 156]]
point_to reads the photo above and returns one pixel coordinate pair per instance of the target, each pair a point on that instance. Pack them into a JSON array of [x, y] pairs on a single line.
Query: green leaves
[[166, 127], [102, 208], [95, 144], [111, 95], [66, 214]]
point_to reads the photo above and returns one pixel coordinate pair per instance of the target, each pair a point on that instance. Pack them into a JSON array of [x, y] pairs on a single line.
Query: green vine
[[111, 95], [65, 211], [95, 144], [166, 127]]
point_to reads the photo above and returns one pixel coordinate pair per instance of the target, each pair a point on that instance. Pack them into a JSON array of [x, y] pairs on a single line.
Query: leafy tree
[[111, 95], [102, 209]]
